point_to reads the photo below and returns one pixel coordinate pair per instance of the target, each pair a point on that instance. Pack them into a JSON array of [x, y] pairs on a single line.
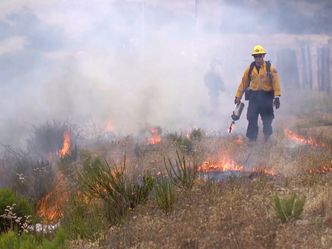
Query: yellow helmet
[[258, 49]]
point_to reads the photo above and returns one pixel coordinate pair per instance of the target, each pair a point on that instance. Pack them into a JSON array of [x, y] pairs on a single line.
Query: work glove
[[276, 102], [237, 100]]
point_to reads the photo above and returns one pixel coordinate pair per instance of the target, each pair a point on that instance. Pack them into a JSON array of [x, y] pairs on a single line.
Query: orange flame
[[109, 126], [225, 164], [310, 141], [66, 144], [265, 171], [155, 136], [239, 140], [50, 207], [320, 170], [300, 139]]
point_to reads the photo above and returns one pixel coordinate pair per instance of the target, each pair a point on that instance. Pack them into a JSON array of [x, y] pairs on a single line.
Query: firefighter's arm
[[276, 82], [243, 85]]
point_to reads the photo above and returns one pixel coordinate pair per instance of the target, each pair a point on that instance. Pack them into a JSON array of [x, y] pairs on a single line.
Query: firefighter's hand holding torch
[[236, 113]]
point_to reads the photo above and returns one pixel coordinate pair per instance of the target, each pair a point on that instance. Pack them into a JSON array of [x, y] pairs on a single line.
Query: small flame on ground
[[301, 139], [265, 171], [109, 126], [239, 140], [66, 144], [320, 170], [310, 141], [154, 136], [225, 164]]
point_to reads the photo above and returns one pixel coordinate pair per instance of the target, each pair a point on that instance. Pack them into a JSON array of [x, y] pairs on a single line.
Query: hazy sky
[[129, 63]]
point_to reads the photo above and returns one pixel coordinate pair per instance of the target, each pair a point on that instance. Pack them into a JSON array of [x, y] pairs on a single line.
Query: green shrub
[[290, 207], [21, 208], [10, 240], [82, 220], [58, 242], [165, 195], [182, 173]]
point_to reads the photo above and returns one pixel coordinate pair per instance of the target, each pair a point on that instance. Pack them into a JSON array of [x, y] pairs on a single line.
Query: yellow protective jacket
[[260, 81]]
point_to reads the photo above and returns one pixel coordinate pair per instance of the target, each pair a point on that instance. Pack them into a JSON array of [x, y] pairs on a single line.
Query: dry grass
[[211, 216], [237, 212]]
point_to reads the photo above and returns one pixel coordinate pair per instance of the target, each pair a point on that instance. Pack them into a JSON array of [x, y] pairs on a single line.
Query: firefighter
[[261, 85]]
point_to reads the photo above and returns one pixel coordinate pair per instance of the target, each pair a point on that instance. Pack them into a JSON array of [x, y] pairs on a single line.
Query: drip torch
[[236, 115]]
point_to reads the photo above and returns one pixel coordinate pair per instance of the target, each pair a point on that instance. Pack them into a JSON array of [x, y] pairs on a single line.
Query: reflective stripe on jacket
[[260, 81]]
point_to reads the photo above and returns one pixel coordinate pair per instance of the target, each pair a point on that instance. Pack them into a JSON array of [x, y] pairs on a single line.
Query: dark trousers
[[260, 103]]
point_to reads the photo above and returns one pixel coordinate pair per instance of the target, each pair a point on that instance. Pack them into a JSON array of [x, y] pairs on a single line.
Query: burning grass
[[51, 207], [229, 213], [235, 210], [230, 201]]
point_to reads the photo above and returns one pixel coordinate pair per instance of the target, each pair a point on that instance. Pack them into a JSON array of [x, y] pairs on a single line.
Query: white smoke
[[133, 63]]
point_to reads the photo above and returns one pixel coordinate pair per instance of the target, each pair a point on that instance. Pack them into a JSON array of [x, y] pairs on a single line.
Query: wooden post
[[325, 73], [304, 68], [309, 68], [288, 68], [319, 69]]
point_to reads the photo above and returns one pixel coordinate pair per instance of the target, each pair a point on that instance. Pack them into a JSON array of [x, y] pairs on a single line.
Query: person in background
[[214, 82], [261, 85]]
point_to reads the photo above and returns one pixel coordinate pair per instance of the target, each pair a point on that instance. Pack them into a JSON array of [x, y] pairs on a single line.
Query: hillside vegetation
[[181, 190]]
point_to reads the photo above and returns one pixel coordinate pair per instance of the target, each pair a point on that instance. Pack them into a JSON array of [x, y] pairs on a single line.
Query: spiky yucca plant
[[101, 180], [165, 195], [196, 135], [139, 191], [183, 143], [182, 173], [108, 182], [290, 207]]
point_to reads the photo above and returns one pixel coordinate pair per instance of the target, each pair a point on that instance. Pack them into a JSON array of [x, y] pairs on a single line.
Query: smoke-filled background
[[127, 65]]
